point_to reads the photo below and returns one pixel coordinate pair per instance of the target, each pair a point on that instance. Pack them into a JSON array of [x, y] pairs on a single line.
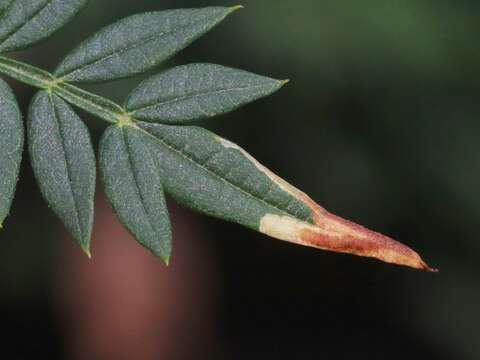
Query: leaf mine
[[217, 177], [330, 232]]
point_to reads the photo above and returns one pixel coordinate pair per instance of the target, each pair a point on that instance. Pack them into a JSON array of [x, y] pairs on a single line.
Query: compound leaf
[[132, 184], [63, 162], [138, 43], [197, 91], [216, 177], [26, 22], [11, 147]]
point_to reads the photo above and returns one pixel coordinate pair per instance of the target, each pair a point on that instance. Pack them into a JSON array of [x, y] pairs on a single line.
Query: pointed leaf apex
[[428, 268], [166, 260], [284, 82], [235, 8], [333, 233], [86, 250]]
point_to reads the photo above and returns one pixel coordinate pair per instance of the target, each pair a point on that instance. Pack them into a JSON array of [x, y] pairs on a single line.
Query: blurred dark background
[[380, 124]]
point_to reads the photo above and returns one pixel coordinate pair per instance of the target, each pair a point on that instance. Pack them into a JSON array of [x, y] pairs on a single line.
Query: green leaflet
[[63, 162], [132, 184], [26, 22], [197, 91], [11, 147], [138, 43], [214, 176]]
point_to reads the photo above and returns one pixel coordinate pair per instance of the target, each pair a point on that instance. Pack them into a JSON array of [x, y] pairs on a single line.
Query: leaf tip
[[427, 268], [336, 234], [332, 233], [86, 250], [284, 82], [235, 8], [166, 260]]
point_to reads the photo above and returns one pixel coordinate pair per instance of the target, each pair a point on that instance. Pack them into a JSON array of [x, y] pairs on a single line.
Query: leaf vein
[[135, 180], [153, 104], [65, 160]]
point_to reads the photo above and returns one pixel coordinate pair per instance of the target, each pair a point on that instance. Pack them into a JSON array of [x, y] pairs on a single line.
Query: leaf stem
[[96, 105]]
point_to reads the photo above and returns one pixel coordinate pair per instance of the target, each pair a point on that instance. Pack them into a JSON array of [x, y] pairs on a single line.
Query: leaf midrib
[[192, 95], [65, 160], [134, 176]]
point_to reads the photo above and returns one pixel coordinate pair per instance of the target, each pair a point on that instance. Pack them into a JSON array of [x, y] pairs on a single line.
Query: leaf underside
[[63, 162], [11, 147], [138, 43], [133, 187], [210, 175], [196, 91]]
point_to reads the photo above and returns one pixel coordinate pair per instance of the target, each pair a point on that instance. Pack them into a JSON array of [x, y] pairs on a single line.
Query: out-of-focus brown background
[[380, 124]]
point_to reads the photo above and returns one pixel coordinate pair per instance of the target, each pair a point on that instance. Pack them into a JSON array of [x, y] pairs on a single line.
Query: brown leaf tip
[[429, 269], [332, 233], [348, 237]]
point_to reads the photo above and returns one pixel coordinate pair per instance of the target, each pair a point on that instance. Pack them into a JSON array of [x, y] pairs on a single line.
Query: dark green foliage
[[137, 43], [26, 22], [216, 177], [4, 4], [196, 91], [133, 186], [64, 163], [11, 147]]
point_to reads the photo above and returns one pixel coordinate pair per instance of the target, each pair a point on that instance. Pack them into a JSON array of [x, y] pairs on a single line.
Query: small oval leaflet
[[63, 162], [197, 91]]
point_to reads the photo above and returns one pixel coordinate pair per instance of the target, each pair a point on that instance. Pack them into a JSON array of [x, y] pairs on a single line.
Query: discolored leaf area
[[63, 161], [197, 91], [11, 147], [132, 183], [26, 22], [216, 177], [138, 43]]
